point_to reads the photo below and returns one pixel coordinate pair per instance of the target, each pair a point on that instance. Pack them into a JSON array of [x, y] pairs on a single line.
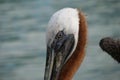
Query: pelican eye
[[59, 35]]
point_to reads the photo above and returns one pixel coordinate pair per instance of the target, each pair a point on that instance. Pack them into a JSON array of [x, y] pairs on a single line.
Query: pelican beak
[[57, 55]]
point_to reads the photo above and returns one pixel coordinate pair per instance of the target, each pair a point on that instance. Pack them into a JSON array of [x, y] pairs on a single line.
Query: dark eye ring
[[60, 35]]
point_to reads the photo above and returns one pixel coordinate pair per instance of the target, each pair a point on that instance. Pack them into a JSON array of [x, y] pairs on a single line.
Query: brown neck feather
[[72, 65]]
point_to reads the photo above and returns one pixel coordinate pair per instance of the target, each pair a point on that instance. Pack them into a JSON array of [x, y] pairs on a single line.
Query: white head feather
[[66, 19]]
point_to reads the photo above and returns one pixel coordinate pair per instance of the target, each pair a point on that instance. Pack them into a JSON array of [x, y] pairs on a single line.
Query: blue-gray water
[[22, 37]]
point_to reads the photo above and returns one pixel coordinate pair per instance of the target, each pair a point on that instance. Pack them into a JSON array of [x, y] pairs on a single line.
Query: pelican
[[66, 39], [111, 46]]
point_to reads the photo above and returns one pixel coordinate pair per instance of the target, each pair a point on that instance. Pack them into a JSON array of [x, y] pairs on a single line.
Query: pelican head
[[62, 38]]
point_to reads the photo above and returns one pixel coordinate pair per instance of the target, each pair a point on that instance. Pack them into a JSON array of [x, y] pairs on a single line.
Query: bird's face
[[62, 35]]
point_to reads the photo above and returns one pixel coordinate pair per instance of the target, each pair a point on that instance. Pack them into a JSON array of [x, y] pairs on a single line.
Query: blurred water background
[[22, 37]]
